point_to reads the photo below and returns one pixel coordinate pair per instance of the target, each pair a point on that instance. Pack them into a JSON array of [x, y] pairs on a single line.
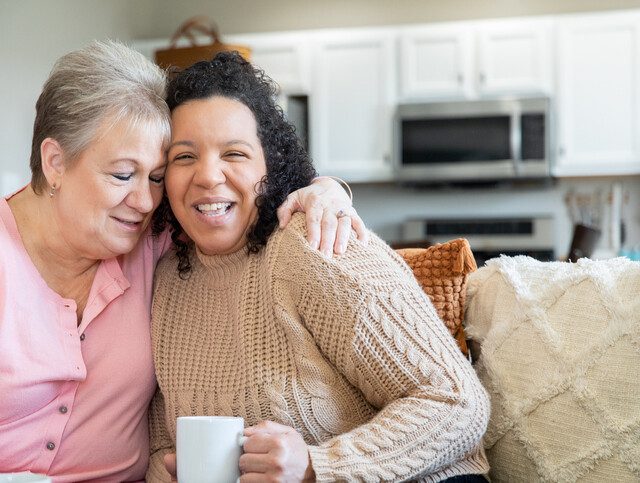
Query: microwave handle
[[516, 141]]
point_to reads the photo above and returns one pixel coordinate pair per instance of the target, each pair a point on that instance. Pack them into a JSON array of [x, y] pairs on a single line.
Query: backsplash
[[386, 207]]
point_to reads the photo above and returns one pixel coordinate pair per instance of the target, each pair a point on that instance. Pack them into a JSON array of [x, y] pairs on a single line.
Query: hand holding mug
[[275, 452]]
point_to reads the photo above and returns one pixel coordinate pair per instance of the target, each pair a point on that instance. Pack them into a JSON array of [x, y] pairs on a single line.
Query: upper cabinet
[[436, 62], [352, 103], [476, 59], [598, 100], [283, 56], [515, 57]]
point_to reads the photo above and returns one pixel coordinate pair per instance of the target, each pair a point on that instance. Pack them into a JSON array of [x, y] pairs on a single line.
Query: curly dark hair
[[288, 164]]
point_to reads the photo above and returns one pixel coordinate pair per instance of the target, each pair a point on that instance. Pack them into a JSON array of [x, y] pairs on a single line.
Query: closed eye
[[122, 176], [183, 158], [156, 179], [235, 154]]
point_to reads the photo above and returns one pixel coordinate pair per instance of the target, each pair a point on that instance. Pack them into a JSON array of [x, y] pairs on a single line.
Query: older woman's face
[[107, 195], [216, 162]]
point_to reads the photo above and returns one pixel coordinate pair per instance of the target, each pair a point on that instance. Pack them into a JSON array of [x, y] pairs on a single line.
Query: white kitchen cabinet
[[284, 57], [476, 59], [352, 103], [514, 56], [436, 62], [598, 99]]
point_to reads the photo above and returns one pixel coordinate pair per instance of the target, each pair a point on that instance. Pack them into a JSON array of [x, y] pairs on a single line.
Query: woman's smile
[[215, 213]]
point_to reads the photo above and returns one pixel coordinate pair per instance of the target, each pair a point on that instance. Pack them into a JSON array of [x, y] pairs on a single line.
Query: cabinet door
[[598, 103], [436, 62], [514, 57], [284, 57], [352, 104]]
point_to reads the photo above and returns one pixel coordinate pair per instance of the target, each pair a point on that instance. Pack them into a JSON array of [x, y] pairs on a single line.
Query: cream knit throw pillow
[[561, 361]]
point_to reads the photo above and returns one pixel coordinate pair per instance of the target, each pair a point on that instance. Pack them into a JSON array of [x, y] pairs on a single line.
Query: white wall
[[33, 33], [262, 16]]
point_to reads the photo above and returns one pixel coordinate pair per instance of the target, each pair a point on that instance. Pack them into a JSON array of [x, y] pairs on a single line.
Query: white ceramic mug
[[208, 449], [24, 477]]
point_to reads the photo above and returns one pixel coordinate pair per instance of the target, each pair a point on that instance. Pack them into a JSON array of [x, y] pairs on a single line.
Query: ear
[[52, 159]]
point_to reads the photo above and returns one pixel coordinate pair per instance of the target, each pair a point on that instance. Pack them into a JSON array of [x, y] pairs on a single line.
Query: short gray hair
[[102, 81]]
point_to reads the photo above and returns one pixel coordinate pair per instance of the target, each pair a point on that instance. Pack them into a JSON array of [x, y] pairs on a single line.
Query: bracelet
[[341, 182]]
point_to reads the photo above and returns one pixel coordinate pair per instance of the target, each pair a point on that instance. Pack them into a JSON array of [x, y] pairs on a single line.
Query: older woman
[[340, 366], [76, 270]]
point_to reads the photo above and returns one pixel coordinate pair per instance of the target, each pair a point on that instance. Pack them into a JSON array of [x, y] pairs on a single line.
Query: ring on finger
[[342, 213]]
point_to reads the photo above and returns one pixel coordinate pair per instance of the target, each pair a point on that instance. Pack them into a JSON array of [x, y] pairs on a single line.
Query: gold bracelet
[[341, 182]]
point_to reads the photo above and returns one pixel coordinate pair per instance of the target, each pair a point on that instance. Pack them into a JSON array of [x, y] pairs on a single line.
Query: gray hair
[[103, 81]]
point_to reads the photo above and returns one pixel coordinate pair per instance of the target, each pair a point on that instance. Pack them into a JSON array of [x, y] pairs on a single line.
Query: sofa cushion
[[560, 358], [442, 271]]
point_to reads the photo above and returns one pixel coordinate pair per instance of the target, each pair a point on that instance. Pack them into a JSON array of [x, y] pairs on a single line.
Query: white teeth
[[213, 208]]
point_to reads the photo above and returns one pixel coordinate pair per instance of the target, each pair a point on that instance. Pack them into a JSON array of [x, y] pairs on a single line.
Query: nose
[[141, 198], [210, 173]]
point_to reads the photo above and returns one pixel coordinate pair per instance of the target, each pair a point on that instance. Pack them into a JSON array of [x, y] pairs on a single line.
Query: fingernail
[[314, 244]]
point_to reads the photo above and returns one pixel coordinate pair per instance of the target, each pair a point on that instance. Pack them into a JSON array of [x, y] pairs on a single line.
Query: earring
[[53, 190]]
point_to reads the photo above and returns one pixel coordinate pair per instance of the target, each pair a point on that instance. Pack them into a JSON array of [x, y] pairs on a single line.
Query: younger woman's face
[[215, 165]]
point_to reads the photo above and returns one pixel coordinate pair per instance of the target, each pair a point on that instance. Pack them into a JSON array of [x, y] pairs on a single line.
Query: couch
[[557, 346], [560, 358]]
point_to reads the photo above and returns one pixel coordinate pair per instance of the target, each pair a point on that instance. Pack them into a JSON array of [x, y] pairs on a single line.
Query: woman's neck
[[64, 269]]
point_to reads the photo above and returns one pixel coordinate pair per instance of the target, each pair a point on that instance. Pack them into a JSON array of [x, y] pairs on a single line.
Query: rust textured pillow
[[442, 271]]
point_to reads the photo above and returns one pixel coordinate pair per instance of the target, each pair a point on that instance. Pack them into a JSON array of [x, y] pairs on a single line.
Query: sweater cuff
[[320, 462]]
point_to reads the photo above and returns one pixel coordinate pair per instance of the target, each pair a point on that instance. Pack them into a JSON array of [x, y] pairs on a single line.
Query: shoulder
[[289, 248]]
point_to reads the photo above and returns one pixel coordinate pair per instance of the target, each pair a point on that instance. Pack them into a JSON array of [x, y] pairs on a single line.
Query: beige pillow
[[561, 361]]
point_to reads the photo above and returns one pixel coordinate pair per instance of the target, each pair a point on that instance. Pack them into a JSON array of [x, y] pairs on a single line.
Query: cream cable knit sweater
[[347, 350]]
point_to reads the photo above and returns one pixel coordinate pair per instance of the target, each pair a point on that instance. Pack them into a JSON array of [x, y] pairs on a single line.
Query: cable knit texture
[[348, 350]]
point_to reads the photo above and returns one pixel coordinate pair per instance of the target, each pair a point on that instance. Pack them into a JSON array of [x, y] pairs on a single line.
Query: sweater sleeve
[[374, 324], [160, 441]]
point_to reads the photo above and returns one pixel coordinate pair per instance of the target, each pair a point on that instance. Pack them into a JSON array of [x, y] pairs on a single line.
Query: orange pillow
[[442, 271]]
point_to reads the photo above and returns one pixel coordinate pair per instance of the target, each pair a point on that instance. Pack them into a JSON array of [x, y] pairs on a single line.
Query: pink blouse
[[73, 400]]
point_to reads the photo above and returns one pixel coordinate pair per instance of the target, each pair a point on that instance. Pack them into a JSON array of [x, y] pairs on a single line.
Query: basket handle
[[200, 24]]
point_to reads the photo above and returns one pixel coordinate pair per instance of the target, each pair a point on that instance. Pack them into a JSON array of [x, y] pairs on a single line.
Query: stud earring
[[53, 190]]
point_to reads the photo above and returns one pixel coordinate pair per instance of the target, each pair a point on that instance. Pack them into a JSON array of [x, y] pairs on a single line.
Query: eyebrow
[[137, 164], [181, 143], [239, 141], [191, 144]]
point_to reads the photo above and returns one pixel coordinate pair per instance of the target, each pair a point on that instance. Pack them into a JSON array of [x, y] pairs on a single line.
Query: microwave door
[[458, 148]]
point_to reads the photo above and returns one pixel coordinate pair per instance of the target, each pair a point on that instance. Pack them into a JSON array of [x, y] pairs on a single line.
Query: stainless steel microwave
[[472, 140]]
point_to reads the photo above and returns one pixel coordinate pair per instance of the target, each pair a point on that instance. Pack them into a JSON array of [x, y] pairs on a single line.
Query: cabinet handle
[[460, 78], [482, 77]]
